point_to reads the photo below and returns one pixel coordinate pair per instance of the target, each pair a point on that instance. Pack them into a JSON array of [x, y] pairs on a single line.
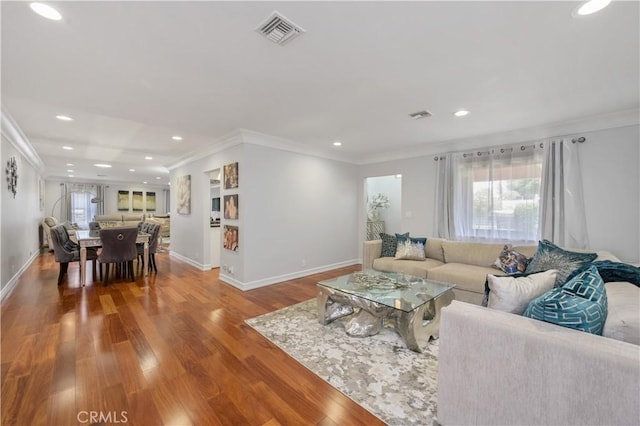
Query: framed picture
[[184, 194], [231, 176], [231, 206], [151, 201], [123, 200], [137, 201], [231, 238]]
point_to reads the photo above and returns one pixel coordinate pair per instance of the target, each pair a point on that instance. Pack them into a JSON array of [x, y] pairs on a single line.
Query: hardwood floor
[[169, 349]]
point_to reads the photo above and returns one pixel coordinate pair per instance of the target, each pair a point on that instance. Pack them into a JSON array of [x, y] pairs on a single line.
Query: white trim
[[11, 284], [200, 266], [227, 141], [13, 134], [286, 277], [573, 127]]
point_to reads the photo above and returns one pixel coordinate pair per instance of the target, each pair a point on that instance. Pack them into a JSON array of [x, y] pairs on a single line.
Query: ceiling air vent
[[420, 114], [279, 29]]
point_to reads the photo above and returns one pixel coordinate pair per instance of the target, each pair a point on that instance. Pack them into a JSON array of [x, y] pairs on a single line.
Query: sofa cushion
[[550, 256], [433, 249], [581, 303], [411, 267], [513, 294], [465, 277], [623, 312], [390, 244], [479, 254]]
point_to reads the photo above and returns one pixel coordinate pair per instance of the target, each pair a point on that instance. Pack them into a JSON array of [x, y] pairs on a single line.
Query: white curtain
[[489, 195], [562, 215]]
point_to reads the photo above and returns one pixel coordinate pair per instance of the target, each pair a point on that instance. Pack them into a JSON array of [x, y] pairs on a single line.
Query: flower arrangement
[[379, 201]]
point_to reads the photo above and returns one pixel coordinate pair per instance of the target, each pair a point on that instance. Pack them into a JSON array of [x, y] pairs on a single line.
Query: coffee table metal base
[[415, 327]]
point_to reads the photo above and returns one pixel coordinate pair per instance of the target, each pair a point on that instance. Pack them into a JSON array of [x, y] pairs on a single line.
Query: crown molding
[[630, 117], [227, 141], [14, 135]]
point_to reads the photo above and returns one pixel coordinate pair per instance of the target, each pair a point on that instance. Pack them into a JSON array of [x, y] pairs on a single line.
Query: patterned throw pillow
[[550, 256], [390, 244], [410, 249], [511, 261], [581, 304]]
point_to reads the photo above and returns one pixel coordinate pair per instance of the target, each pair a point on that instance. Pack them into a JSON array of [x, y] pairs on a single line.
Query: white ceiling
[[133, 74]]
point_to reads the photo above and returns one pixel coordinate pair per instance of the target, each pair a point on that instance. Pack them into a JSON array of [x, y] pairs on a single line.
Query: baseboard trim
[[285, 277], [190, 261], [11, 285]]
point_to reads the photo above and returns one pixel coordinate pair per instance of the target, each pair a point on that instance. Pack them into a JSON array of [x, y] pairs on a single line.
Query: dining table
[[91, 238]]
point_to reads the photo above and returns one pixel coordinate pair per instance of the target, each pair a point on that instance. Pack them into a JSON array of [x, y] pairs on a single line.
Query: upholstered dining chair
[[66, 251], [152, 229], [118, 247]]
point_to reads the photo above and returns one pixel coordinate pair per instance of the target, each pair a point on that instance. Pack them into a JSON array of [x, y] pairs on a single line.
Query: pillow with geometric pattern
[[580, 304]]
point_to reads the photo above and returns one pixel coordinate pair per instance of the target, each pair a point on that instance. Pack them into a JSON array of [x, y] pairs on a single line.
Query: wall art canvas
[[184, 194], [137, 201], [231, 206], [151, 201], [231, 238], [231, 176], [123, 200]]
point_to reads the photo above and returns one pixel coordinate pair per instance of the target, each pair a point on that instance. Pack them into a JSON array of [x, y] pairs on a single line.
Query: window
[[496, 196], [82, 209]]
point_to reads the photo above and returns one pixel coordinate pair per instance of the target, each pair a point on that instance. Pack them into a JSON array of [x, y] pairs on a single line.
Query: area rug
[[378, 372]]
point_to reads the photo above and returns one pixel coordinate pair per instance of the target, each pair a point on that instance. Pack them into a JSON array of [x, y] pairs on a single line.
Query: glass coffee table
[[411, 303]]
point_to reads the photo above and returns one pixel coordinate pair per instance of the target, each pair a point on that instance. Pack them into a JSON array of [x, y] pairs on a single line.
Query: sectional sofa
[[499, 368]]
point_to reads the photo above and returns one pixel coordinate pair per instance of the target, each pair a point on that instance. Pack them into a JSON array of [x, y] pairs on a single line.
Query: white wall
[[609, 160], [297, 215], [20, 219]]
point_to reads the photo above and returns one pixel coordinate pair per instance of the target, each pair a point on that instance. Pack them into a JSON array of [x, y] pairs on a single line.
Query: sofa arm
[[500, 368], [372, 250]]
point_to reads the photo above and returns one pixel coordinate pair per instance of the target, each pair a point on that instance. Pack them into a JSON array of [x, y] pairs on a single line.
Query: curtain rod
[[579, 139]]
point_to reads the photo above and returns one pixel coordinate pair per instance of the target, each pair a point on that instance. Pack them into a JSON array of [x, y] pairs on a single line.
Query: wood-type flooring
[[171, 348]]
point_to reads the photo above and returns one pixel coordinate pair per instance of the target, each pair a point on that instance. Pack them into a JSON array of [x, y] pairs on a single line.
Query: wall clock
[[12, 176]]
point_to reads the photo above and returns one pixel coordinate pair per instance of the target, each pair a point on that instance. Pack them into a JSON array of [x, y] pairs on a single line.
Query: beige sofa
[[119, 219], [465, 264], [165, 224]]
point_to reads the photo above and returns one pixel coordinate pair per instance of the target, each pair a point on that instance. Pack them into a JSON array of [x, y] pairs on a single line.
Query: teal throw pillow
[[550, 256], [580, 304], [390, 244]]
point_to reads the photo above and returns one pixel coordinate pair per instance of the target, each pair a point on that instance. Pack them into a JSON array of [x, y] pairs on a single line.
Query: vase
[[373, 215]]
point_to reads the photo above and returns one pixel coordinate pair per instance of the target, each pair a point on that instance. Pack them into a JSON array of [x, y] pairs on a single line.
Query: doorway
[[383, 206]]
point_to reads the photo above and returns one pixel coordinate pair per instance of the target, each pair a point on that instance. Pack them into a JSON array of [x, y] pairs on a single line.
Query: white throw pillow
[[511, 294]]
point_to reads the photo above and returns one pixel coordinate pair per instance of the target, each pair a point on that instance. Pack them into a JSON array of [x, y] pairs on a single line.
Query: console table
[[374, 229]]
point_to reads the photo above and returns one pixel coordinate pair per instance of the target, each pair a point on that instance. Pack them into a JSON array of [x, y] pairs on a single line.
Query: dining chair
[[118, 247], [153, 229], [66, 251]]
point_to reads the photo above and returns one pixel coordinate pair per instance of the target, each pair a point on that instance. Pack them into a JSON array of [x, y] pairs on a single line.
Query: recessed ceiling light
[[69, 171], [69, 165], [132, 170], [158, 177], [590, 7], [104, 166], [176, 138], [64, 118], [46, 11], [70, 175], [148, 158], [461, 113], [144, 183], [169, 183], [337, 143], [68, 148]]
